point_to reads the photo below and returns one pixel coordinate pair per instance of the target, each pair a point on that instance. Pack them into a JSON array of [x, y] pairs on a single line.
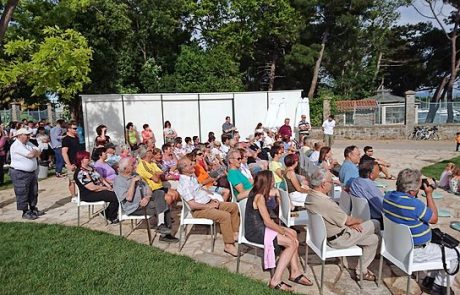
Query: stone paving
[[54, 199]]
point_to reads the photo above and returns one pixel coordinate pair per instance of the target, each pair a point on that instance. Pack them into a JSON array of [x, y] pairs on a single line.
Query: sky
[[409, 15]]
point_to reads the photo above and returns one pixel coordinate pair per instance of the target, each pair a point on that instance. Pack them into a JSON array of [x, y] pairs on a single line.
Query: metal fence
[[6, 115], [395, 113]]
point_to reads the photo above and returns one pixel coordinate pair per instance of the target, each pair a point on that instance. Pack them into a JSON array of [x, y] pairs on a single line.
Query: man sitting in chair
[[364, 187], [136, 198], [206, 204], [343, 231], [403, 207]]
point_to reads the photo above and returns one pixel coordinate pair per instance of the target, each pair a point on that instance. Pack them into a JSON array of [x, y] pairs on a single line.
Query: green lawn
[[54, 259], [435, 170]]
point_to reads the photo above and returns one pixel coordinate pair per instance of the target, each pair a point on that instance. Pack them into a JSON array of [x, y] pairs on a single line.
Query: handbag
[[446, 240]]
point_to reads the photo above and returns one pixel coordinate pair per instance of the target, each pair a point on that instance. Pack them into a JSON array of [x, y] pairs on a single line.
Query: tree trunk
[[434, 103], [314, 81], [6, 16], [271, 74], [379, 62], [453, 75]]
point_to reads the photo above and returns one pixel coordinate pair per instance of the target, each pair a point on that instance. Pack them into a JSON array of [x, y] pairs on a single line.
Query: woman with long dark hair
[[261, 229]]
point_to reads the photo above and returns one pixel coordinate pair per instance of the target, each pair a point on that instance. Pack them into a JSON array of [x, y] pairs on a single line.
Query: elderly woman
[[169, 133], [102, 167], [297, 191], [261, 229], [93, 187], [152, 174]]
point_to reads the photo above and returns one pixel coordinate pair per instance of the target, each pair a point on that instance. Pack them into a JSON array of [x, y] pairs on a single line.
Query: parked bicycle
[[424, 133]]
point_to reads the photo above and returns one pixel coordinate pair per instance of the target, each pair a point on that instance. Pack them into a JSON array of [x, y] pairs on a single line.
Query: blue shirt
[[348, 172], [365, 188], [406, 209]]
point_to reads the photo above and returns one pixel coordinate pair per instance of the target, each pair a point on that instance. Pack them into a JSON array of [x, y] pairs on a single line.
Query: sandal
[[368, 276], [280, 287], [298, 280], [392, 177]]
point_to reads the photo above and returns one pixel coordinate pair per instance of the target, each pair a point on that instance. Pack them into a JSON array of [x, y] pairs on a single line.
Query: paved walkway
[[54, 199]]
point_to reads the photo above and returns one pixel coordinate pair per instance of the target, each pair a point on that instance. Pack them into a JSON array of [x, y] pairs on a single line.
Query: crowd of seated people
[[146, 179]]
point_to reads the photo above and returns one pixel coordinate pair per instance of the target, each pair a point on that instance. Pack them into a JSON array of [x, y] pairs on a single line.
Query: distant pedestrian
[[328, 130], [457, 139]]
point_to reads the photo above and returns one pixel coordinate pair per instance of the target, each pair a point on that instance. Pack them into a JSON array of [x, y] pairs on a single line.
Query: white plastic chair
[[317, 241], [241, 238], [345, 202], [234, 199], [360, 208], [398, 248], [187, 218], [288, 217], [123, 216], [90, 206]]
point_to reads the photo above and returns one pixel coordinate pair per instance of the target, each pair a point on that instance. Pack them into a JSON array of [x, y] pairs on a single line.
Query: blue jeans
[[59, 159]]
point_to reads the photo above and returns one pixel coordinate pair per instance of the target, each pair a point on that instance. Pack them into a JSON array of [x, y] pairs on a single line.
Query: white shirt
[[224, 149], [268, 141], [314, 157], [329, 127], [190, 189], [19, 160]]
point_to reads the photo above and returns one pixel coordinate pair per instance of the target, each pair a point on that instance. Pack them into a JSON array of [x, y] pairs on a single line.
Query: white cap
[[23, 131]]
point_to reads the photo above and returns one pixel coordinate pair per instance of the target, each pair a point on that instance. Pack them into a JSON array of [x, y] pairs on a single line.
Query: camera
[[426, 183]]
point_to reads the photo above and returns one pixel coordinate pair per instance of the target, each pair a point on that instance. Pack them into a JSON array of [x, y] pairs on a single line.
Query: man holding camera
[[403, 207]]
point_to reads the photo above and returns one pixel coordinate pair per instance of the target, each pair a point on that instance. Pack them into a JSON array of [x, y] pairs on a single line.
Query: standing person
[[285, 131], [23, 174], [70, 147], [56, 135], [261, 229], [328, 130], [228, 128], [132, 136], [304, 128], [147, 134], [457, 139], [3, 150], [169, 133]]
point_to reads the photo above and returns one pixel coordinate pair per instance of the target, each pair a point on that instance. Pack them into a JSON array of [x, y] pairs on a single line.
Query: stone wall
[[446, 132]]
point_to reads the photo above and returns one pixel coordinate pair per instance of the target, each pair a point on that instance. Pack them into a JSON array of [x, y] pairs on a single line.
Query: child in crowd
[[446, 175]]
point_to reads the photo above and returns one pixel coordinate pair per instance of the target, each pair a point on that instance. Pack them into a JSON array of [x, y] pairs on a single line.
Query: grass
[[436, 169], [54, 259]]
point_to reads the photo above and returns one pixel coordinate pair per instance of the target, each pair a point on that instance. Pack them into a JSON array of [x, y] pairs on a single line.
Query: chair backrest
[[234, 199], [285, 207], [398, 242], [316, 233], [345, 202], [360, 208], [185, 210], [242, 208]]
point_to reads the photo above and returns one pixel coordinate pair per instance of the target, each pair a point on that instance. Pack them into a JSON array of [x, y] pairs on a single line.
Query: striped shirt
[[405, 209]]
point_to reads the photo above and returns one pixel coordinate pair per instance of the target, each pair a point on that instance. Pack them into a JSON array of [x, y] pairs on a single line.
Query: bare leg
[[285, 258]]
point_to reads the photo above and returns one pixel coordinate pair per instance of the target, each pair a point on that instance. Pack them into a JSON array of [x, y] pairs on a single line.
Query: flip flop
[[392, 177], [455, 225], [229, 253], [298, 280], [280, 285]]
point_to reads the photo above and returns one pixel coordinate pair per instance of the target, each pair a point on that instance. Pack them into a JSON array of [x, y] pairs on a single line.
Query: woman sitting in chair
[[93, 188], [261, 229], [297, 191]]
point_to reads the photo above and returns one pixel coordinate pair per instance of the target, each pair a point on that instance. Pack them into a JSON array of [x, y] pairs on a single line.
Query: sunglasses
[[238, 159], [199, 154], [74, 128]]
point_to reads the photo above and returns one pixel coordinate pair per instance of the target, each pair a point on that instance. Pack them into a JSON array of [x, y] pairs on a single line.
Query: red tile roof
[[349, 105]]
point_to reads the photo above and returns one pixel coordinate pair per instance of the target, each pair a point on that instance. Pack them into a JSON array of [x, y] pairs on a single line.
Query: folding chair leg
[[379, 280], [306, 259], [322, 277], [360, 272], [213, 236], [408, 285], [448, 284], [121, 233], [181, 228], [238, 259], [149, 233], [89, 212], [78, 216]]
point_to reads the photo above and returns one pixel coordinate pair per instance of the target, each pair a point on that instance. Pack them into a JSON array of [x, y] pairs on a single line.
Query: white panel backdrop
[[190, 113]]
